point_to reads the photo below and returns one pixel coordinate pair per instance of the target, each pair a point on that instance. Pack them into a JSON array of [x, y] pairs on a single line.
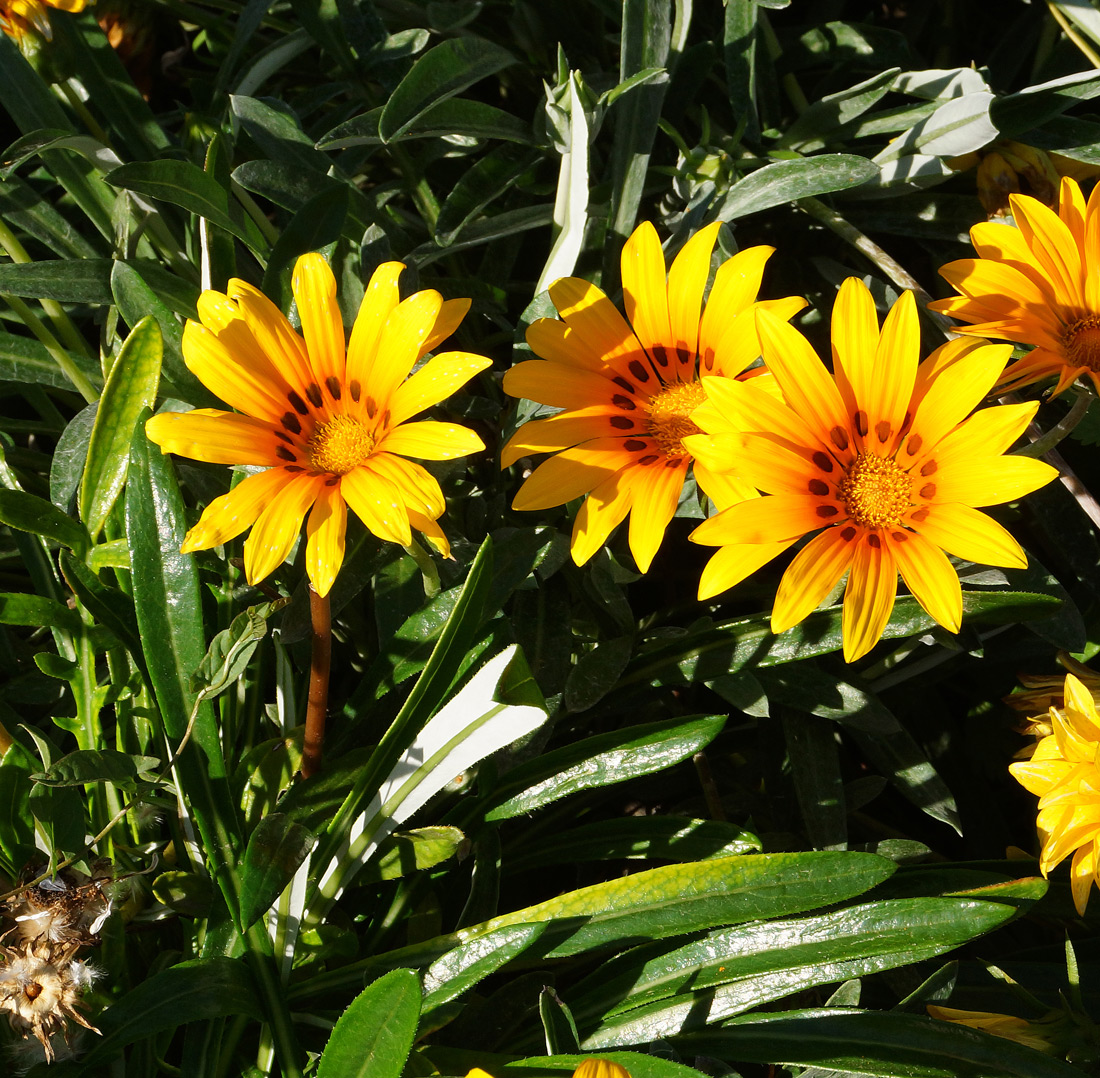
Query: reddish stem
[[321, 617]]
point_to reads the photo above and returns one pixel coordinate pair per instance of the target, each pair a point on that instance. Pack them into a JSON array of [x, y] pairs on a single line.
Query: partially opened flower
[[1036, 284], [20, 17], [331, 428], [627, 388], [880, 460], [1064, 773], [1036, 1035]]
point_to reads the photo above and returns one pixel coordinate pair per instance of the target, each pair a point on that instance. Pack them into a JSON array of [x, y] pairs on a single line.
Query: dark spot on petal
[[634, 445], [649, 458], [818, 486], [928, 490], [930, 468], [839, 437], [906, 424], [292, 468], [874, 541], [282, 435], [660, 354], [621, 422], [290, 421], [684, 355], [623, 402], [823, 461], [334, 387], [899, 537], [882, 429], [297, 403], [386, 418], [919, 515], [333, 481], [861, 422], [313, 392], [912, 447], [283, 453], [355, 388], [674, 462], [638, 369], [848, 534], [371, 407], [620, 381], [826, 511]]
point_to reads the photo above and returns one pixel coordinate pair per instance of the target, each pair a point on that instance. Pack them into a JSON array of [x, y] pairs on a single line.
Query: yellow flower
[[1036, 284], [881, 456], [589, 1068], [1032, 1034], [1063, 772], [331, 429], [19, 17], [627, 390]]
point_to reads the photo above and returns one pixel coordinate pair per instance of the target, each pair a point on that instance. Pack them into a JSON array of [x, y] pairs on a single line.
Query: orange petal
[[735, 288], [598, 336], [377, 503], [565, 429], [560, 386], [895, 372], [971, 535], [447, 321], [573, 472], [274, 334], [855, 340], [645, 292], [218, 369], [812, 574], [775, 519], [1053, 247], [990, 480], [276, 529], [379, 300], [602, 511], [687, 278], [656, 495]]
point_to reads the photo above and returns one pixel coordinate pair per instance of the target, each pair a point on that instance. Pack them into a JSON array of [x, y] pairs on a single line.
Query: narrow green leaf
[[819, 786], [872, 1043], [787, 181], [1033, 107], [24, 608], [453, 116], [318, 223], [596, 672], [188, 992], [275, 851], [443, 71], [373, 1037], [29, 513], [601, 761], [131, 387], [487, 179], [232, 649], [96, 765], [24, 360], [405, 852], [558, 1026], [179, 183]]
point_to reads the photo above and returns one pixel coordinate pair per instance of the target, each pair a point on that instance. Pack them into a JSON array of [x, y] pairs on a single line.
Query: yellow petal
[[1083, 873], [813, 573], [1053, 247], [276, 529], [775, 519], [214, 436], [218, 369], [990, 480], [971, 535], [325, 538], [447, 321], [895, 372], [723, 488], [602, 511], [431, 440], [377, 503], [274, 334], [400, 344], [990, 431], [595, 335], [565, 429], [869, 596], [561, 386], [735, 287], [573, 472], [379, 300], [314, 289], [930, 577], [417, 486], [230, 514], [732, 564], [855, 340], [655, 500], [431, 531], [645, 293], [441, 376], [687, 278]]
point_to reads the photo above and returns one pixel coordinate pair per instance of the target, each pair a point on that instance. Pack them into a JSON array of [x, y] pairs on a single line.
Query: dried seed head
[[59, 909]]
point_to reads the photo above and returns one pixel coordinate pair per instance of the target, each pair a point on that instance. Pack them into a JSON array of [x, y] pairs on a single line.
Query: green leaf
[[1035, 106], [739, 41], [131, 387], [558, 1025], [596, 672], [88, 280], [818, 784], [181, 184], [275, 851], [188, 992], [373, 1037], [637, 1065], [232, 649], [872, 1043], [59, 814], [190, 894], [468, 963], [405, 852], [786, 181], [16, 829], [647, 994], [97, 765], [601, 761], [822, 118], [278, 133], [650, 838], [443, 71], [29, 513], [487, 179], [317, 224], [454, 116], [24, 360]]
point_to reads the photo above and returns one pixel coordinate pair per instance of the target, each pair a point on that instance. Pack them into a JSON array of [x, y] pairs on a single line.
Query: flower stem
[[321, 615], [1041, 444], [1073, 35]]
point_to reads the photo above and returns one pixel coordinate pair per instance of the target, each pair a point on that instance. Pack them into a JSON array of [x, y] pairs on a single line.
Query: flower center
[[341, 444], [669, 414], [875, 490], [1082, 343]]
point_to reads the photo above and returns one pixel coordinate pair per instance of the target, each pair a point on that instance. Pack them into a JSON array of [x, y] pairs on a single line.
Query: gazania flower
[[627, 389], [1065, 775], [880, 461], [589, 1068], [1036, 284], [331, 430], [20, 17]]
